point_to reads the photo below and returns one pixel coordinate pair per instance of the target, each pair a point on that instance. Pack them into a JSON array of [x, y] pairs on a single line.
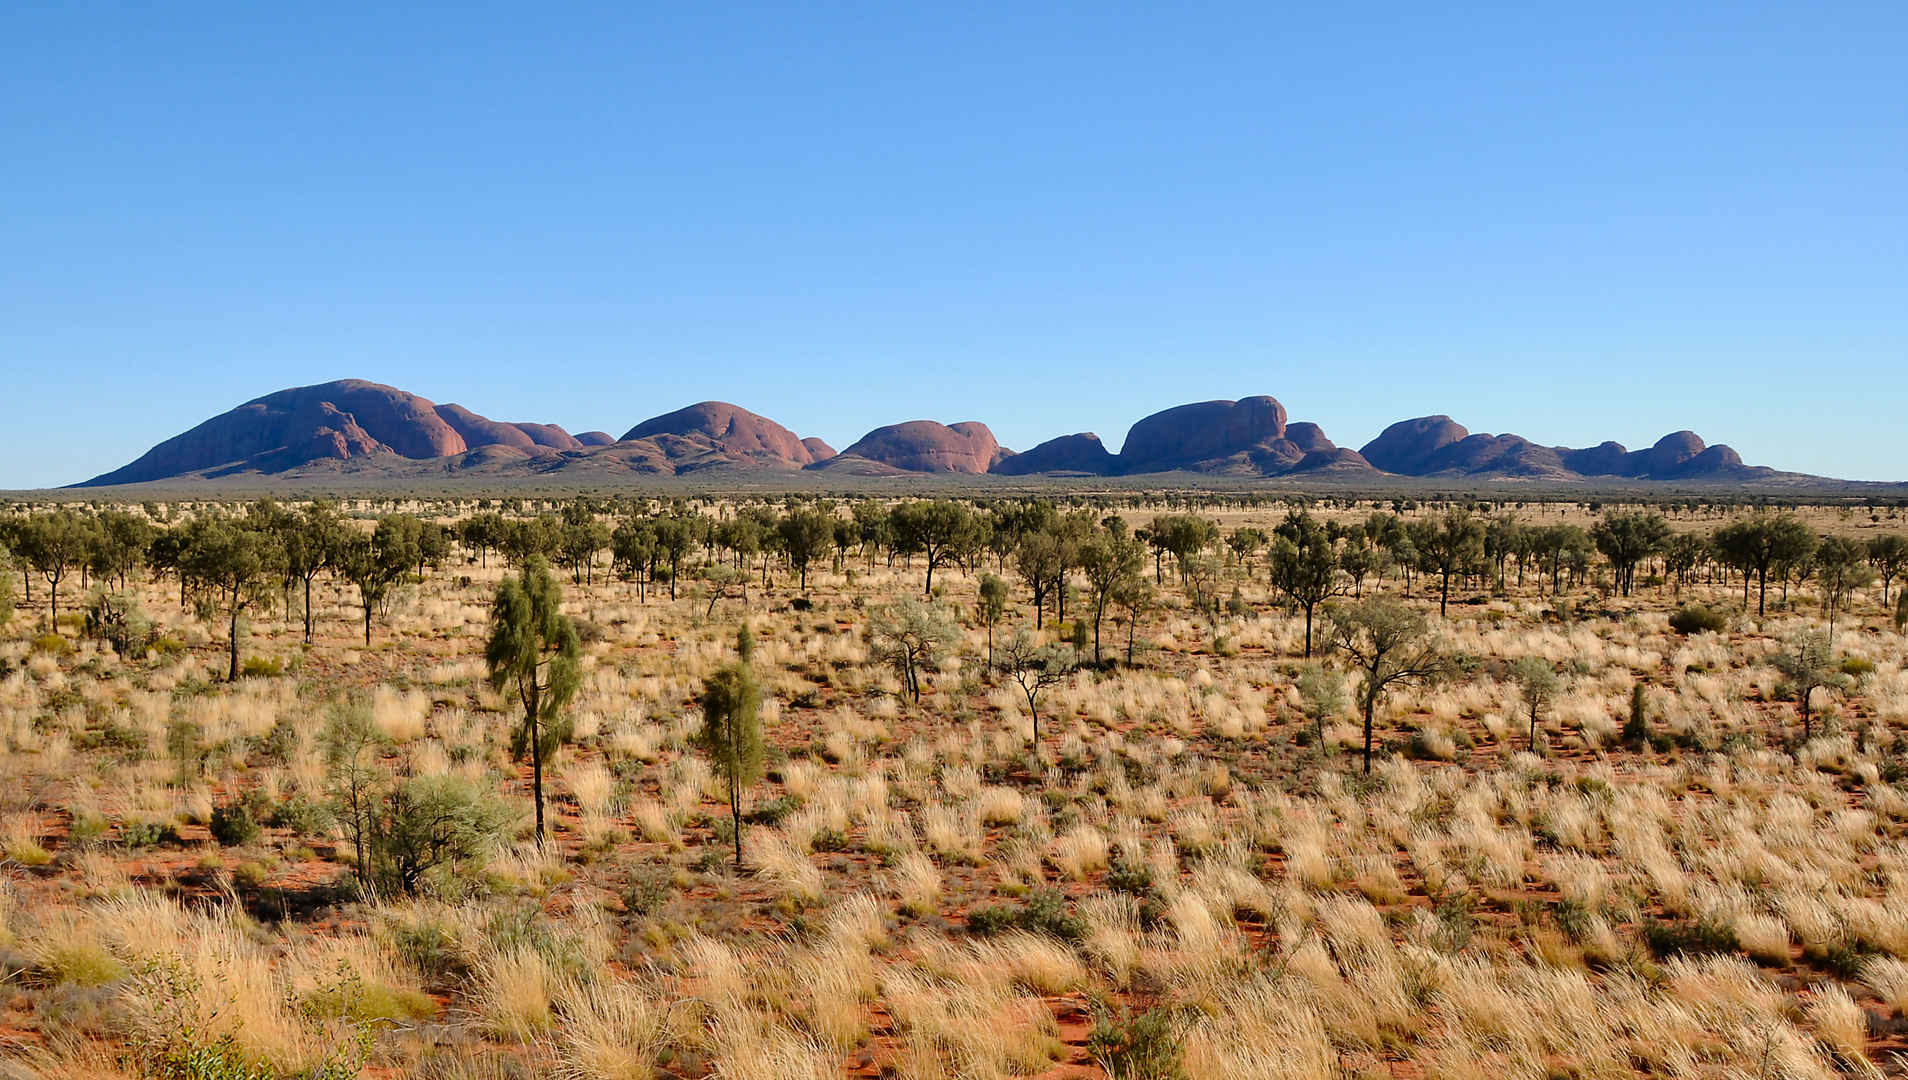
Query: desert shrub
[[1143, 1047], [260, 667], [52, 645], [1046, 913], [117, 619], [432, 823], [145, 834], [648, 891], [1703, 936], [1695, 618], [1130, 876], [302, 816], [1858, 666], [772, 812], [234, 825]]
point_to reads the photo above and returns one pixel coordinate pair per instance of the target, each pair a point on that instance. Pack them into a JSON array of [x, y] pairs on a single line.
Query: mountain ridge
[[361, 428]]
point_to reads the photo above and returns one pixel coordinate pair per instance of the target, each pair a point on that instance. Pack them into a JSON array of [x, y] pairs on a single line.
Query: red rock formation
[[1081, 455], [928, 447], [1191, 436], [734, 430], [347, 418]]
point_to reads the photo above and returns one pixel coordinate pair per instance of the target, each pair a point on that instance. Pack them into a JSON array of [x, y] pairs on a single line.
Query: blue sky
[[1574, 222]]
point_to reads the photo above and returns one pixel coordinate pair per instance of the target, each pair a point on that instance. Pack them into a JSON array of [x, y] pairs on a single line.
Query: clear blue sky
[[1574, 222]]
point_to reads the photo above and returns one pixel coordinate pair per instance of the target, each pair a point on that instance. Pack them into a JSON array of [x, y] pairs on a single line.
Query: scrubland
[[1187, 874]]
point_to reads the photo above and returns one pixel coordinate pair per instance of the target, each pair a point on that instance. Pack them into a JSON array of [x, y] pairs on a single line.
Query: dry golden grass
[[929, 892]]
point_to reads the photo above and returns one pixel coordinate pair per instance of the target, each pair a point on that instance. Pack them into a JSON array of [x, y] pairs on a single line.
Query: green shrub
[[1143, 1047], [118, 620], [233, 825], [1695, 618], [1046, 913], [1671, 938], [301, 815], [648, 891], [145, 834], [52, 645], [1858, 666], [1130, 876], [259, 667], [432, 823]]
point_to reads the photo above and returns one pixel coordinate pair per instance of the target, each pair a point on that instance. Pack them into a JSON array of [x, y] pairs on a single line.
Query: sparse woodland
[[1189, 786]]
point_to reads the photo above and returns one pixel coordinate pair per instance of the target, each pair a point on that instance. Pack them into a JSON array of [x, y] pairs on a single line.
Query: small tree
[[731, 735], [1809, 664], [353, 746], [1390, 645], [1112, 560], [1628, 539], [238, 564], [1321, 695], [374, 563], [991, 608], [1304, 566], [938, 529], [1888, 554], [1448, 546], [428, 822], [534, 645], [1761, 543], [55, 544], [1035, 668], [1537, 681], [806, 535], [910, 635], [1636, 730], [1841, 566]]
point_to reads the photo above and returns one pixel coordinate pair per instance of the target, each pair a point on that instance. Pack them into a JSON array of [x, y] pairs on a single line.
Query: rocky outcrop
[[363, 429], [478, 431], [1189, 436], [733, 430], [1437, 446], [348, 418], [1068, 455], [924, 446]]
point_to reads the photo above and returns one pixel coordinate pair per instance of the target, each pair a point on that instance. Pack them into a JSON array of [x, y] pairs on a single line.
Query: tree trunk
[[1371, 703], [308, 611], [735, 816], [533, 723], [232, 636]]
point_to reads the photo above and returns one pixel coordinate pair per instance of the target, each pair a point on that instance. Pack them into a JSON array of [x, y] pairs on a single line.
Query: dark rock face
[[734, 430], [1207, 431], [1405, 446], [1435, 446], [1080, 455], [925, 446]]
